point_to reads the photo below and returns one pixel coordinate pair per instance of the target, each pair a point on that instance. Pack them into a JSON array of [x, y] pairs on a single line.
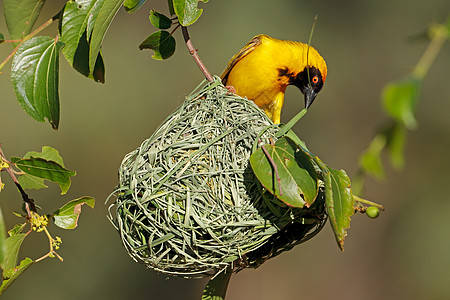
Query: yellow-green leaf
[[20, 16], [12, 246], [67, 216], [12, 274], [400, 99], [18, 228], [370, 159], [2, 238], [187, 11], [339, 202], [48, 170], [133, 5], [396, 138], [47, 153]]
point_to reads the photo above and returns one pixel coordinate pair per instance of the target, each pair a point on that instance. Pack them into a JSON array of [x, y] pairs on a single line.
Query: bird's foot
[[231, 89]]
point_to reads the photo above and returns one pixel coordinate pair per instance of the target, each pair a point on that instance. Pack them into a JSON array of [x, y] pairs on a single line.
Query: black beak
[[310, 95]]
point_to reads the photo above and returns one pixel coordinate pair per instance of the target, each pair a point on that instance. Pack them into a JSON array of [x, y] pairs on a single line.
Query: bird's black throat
[[302, 81]]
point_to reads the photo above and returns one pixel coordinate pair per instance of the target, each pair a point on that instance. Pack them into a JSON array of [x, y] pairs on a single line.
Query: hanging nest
[[188, 203]]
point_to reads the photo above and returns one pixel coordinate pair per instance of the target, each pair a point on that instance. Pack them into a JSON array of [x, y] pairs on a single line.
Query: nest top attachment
[[188, 203]]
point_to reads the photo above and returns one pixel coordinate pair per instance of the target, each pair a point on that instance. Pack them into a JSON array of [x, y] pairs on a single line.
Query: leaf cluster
[[35, 168], [82, 26], [162, 41], [295, 175], [399, 100]]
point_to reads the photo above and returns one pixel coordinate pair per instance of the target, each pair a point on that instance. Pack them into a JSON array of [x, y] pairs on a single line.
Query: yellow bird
[[262, 70]]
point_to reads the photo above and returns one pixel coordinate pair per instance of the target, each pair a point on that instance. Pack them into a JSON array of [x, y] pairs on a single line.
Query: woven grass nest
[[188, 203]]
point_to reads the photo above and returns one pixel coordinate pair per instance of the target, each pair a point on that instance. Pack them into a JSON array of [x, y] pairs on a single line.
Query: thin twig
[[274, 165], [175, 29], [367, 202], [440, 35], [25, 38], [12, 41], [52, 251], [194, 54]]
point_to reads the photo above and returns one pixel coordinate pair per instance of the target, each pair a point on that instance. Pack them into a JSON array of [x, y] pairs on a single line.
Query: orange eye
[[315, 79]]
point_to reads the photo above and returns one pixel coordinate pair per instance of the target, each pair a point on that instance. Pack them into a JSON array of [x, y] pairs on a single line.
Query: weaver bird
[[262, 70]]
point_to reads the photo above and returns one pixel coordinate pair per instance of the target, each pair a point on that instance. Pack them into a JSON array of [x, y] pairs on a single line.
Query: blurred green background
[[405, 254]]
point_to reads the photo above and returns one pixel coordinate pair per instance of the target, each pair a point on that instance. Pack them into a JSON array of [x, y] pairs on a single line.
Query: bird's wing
[[256, 41]]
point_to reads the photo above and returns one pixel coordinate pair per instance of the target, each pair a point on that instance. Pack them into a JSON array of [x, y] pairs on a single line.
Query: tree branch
[[29, 203], [194, 54]]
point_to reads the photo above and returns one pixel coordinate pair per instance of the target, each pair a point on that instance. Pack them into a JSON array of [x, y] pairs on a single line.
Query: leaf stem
[[52, 251], [439, 34], [361, 200], [24, 39], [194, 54], [12, 41], [175, 29]]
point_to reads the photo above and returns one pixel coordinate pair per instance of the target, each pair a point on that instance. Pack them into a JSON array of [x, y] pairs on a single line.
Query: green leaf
[[2, 38], [370, 159], [133, 5], [159, 20], [12, 274], [396, 139], [20, 16], [47, 153], [17, 229], [161, 42], [28, 181], [400, 100], [74, 22], [12, 245], [298, 180], [34, 75], [216, 288], [187, 11], [171, 9], [46, 169], [67, 216], [2, 238], [103, 13], [285, 128], [339, 202]]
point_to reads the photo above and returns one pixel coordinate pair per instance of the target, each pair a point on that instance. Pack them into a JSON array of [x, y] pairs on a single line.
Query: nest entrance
[[188, 203]]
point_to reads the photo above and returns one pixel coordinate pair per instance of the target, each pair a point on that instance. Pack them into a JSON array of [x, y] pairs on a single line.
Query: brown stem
[[194, 54], [12, 41], [25, 38]]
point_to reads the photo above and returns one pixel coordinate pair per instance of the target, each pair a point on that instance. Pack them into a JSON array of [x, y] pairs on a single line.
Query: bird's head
[[311, 78]]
